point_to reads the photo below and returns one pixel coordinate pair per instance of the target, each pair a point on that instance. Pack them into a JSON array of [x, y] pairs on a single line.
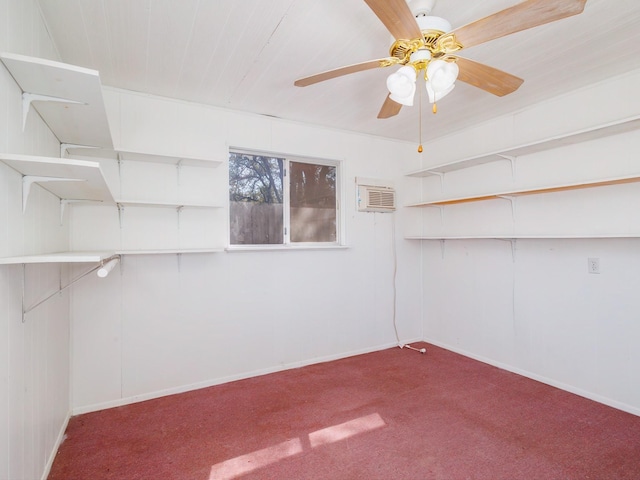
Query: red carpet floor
[[394, 414]]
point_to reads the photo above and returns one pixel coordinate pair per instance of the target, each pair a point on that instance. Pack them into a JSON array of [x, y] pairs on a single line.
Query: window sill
[[284, 248]]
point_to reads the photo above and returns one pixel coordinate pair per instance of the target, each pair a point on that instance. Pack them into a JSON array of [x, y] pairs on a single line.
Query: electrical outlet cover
[[593, 265]]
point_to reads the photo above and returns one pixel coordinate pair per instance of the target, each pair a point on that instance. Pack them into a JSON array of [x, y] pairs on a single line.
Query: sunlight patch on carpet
[[346, 430], [244, 464]]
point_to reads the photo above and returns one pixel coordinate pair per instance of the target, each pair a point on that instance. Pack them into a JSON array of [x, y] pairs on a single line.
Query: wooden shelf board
[[531, 191], [93, 186], [600, 131], [82, 123]]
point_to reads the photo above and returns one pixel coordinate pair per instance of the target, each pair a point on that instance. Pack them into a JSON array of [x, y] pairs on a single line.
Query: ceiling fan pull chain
[[420, 119]]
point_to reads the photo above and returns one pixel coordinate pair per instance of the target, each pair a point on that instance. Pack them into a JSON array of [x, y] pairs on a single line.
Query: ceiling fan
[[425, 43]]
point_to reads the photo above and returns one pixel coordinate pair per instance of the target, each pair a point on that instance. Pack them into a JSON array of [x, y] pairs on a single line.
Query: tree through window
[[267, 209]]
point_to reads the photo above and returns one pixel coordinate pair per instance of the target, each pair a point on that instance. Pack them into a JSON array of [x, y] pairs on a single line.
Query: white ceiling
[[246, 54]]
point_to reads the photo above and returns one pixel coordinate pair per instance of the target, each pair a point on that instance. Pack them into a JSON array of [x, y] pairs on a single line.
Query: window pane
[[313, 202], [255, 197]]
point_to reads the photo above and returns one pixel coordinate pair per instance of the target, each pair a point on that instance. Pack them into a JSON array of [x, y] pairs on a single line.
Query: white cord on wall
[[395, 275], [395, 290]]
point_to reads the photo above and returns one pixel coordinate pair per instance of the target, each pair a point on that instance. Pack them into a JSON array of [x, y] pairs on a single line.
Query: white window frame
[[287, 244]]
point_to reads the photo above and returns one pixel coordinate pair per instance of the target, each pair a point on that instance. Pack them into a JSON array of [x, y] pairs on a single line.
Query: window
[[278, 201]]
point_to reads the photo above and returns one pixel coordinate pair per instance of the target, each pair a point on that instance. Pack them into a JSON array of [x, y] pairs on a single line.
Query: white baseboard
[[232, 378], [56, 446], [540, 378]]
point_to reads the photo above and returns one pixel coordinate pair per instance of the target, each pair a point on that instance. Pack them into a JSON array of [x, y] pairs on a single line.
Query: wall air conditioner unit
[[376, 198]]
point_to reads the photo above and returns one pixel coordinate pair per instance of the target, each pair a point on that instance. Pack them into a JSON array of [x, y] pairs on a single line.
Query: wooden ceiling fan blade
[[522, 16], [338, 72], [389, 108], [487, 78], [397, 17]]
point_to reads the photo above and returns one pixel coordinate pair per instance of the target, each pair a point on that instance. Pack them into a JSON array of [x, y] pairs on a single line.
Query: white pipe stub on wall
[[106, 268]]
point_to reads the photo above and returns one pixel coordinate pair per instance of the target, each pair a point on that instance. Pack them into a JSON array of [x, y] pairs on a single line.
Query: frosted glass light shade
[[402, 82], [406, 100], [402, 85], [442, 75], [436, 96]]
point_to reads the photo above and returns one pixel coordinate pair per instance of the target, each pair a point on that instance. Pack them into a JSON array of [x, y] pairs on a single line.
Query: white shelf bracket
[[24, 276], [512, 199], [441, 208], [512, 159], [513, 247], [179, 211], [178, 169], [120, 160], [61, 287], [438, 174], [64, 148], [63, 205], [60, 280], [120, 214], [28, 180], [29, 98]]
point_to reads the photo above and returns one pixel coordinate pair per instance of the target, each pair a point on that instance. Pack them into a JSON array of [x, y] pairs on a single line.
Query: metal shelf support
[[28, 180], [29, 98]]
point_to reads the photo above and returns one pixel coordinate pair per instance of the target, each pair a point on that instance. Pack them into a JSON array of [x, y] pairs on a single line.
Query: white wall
[[34, 355], [538, 311], [167, 323]]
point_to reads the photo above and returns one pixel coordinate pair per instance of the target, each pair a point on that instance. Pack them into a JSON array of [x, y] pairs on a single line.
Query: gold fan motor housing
[[437, 42]]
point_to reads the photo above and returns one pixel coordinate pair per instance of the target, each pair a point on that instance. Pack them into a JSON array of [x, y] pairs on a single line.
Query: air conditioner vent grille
[[376, 199], [381, 199]]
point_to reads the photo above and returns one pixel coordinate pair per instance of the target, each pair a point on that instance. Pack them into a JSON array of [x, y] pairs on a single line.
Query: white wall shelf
[[178, 206], [163, 204], [170, 251], [121, 155], [600, 131], [510, 194], [97, 257], [67, 179], [513, 238], [59, 257], [68, 98], [522, 237]]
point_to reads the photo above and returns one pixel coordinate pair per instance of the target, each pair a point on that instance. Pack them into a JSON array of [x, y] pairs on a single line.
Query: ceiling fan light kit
[[436, 95], [442, 75], [402, 85], [423, 42]]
